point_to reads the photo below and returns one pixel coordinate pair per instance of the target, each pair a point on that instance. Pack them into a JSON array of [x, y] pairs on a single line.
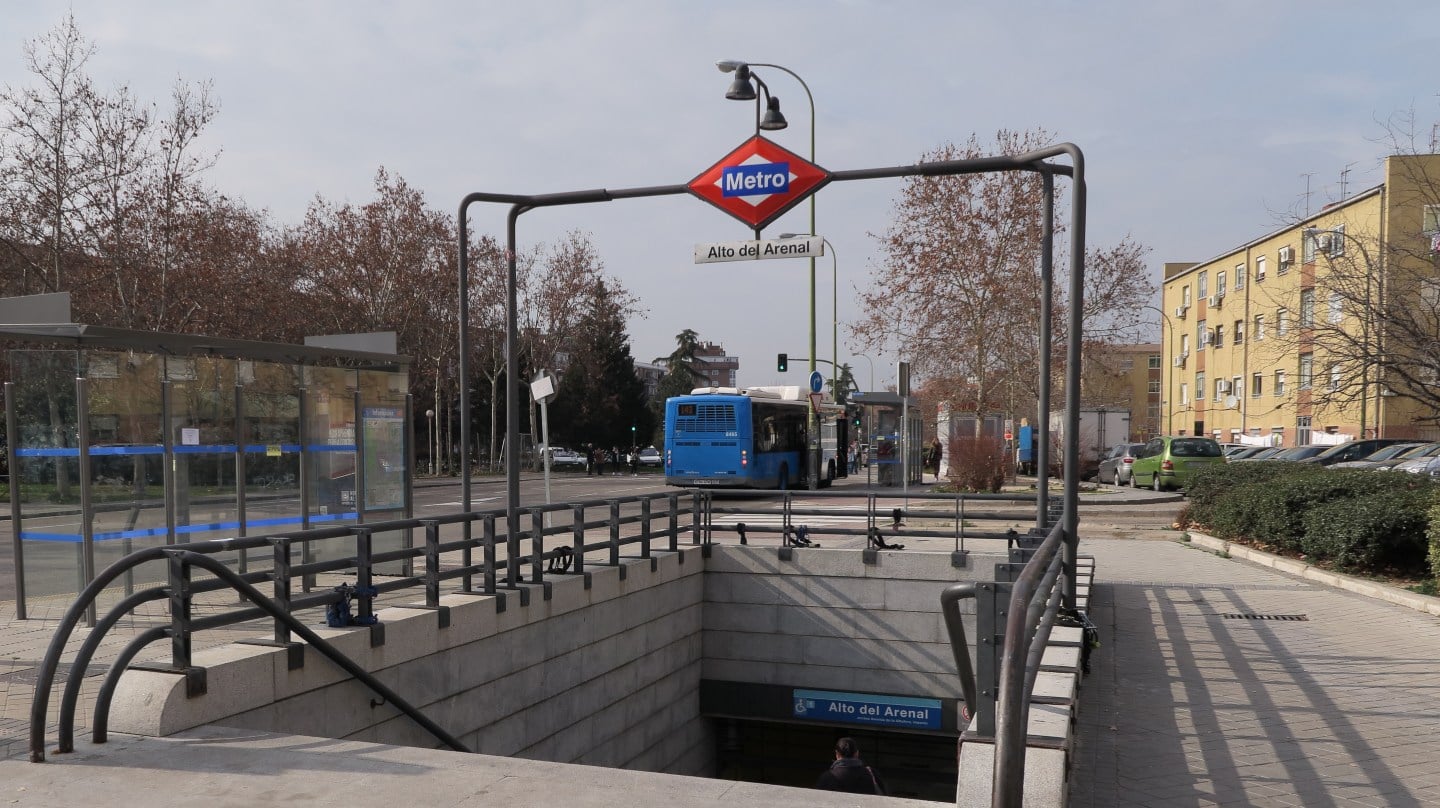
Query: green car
[[1167, 462]]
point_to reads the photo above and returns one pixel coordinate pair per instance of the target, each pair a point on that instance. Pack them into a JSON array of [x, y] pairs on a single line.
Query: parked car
[[649, 456], [1232, 448], [1167, 462], [1384, 457], [1115, 465], [1349, 450], [1264, 454], [1421, 452], [1246, 452], [561, 457], [1421, 465], [1297, 453]]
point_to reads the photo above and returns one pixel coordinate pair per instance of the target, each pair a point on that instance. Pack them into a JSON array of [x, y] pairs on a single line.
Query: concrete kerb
[[1300, 569]]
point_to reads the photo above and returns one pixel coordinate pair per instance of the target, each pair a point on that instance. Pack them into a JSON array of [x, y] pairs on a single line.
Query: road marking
[[458, 503]]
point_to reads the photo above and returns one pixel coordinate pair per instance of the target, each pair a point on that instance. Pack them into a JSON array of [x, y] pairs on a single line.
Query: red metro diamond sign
[[758, 182]]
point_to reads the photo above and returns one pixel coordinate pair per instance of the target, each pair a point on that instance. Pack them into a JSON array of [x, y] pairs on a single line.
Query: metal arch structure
[[1037, 161]]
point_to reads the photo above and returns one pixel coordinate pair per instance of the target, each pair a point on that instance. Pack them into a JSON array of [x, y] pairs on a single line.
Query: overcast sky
[[1199, 121]]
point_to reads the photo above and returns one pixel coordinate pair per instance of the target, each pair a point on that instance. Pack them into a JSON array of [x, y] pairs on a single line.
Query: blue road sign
[[867, 708], [817, 381]]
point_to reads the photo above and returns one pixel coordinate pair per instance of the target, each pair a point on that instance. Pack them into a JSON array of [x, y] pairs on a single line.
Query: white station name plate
[[813, 247]]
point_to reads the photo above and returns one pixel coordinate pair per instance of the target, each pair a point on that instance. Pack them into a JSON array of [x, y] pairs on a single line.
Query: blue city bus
[[751, 438]]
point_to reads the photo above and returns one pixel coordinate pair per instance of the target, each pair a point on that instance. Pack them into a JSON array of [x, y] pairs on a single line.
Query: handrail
[[950, 607], [281, 607], [1022, 626]]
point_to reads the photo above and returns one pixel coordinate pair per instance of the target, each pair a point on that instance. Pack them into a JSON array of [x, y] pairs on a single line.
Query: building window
[[1239, 277], [1202, 335], [1337, 309], [1432, 220], [1220, 387], [1184, 394], [1199, 387], [1307, 308], [1337, 242], [1153, 361], [1279, 382], [1184, 344], [1259, 330], [1257, 385], [1202, 284], [1307, 246], [1334, 376], [1285, 259], [1185, 295], [1282, 322], [1219, 340], [1239, 331], [1153, 386], [1220, 283], [1260, 269], [1302, 430], [1307, 370]]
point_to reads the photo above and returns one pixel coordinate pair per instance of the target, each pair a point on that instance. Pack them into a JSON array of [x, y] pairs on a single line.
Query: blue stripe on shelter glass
[[47, 452], [333, 517], [96, 451], [866, 708], [29, 535], [255, 448], [216, 448], [331, 447]]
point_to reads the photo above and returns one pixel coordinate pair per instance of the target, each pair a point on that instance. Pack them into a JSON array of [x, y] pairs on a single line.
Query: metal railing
[[1035, 599], [959, 510], [520, 570]]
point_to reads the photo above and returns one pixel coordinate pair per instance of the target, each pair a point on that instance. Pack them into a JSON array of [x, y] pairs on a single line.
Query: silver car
[[1115, 465]]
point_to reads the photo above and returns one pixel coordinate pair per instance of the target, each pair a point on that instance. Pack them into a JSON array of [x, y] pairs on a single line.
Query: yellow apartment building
[[1321, 331]]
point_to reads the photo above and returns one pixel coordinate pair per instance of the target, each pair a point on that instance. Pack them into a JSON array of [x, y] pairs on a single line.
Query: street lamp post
[[834, 306], [1170, 328], [742, 71]]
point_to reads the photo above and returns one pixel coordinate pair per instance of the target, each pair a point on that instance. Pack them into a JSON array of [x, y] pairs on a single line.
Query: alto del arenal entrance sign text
[[758, 181]]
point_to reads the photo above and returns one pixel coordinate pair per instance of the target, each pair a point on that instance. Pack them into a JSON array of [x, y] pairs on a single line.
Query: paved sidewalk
[[1188, 707]]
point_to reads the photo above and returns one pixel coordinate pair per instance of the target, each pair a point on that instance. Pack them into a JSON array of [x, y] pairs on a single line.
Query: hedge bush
[[1361, 521], [1382, 530]]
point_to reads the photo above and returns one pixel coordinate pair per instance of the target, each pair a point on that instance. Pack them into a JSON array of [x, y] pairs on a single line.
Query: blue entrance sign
[[758, 179], [817, 381], [866, 708]]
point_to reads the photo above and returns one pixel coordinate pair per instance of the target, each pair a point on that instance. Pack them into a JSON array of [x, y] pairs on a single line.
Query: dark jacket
[[852, 775]]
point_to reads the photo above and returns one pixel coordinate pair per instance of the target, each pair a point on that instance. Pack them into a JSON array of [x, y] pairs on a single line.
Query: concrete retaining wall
[[606, 676], [826, 620]]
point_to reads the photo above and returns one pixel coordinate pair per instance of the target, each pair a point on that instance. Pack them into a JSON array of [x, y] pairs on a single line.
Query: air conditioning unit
[[1287, 255], [1222, 386], [1205, 337], [1180, 311], [1180, 361], [1216, 300], [1323, 241]]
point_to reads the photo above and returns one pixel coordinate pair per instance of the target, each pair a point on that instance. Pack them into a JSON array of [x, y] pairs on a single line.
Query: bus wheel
[[784, 484], [829, 475]]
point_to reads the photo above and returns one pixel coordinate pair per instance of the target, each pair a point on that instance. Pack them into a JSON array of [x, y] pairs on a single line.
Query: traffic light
[[856, 420], [782, 362]]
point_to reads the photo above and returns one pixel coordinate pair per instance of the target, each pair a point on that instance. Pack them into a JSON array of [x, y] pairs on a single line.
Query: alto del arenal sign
[[758, 181]]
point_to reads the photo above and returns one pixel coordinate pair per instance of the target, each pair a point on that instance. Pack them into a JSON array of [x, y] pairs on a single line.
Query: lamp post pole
[[730, 65], [1170, 328]]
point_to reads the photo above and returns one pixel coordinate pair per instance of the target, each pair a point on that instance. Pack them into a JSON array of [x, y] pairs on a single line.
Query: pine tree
[[600, 397]]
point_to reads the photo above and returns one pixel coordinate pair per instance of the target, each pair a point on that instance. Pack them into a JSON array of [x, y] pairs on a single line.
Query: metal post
[[179, 610], [16, 525], [577, 537], [432, 562], [407, 536], [240, 466], [537, 544], [364, 602], [87, 505], [645, 528], [488, 534], [614, 532], [1047, 294], [359, 429], [281, 573]]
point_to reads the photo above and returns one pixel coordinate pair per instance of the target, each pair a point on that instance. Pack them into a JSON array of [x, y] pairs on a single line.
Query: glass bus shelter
[[118, 440], [891, 436]]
